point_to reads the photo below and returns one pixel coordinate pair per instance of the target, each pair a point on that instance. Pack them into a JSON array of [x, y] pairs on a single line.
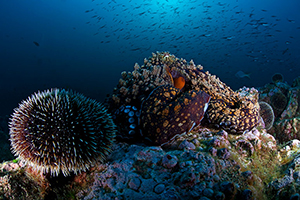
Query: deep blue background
[[85, 45]]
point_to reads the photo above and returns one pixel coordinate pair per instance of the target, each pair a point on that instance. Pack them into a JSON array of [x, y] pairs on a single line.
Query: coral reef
[[160, 103], [284, 99], [286, 129], [58, 131], [200, 164], [204, 163], [227, 109], [286, 186], [275, 94]]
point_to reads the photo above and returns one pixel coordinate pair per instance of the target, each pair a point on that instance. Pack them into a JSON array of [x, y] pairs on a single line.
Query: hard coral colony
[[163, 73]]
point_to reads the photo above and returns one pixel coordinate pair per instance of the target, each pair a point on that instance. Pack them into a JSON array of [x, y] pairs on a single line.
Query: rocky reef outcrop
[[224, 151]]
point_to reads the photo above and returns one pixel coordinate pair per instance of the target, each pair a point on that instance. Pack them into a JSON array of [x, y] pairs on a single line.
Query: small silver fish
[[241, 74]]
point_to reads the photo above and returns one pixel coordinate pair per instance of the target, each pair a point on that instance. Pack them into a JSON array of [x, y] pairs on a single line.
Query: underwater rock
[[169, 161], [284, 100], [253, 141], [159, 188], [223, 153], [287, 129], [278, 102], [296, 82], [286, 185], [134, 183], [186, 145], [282, 182], [139, 171], [292, 105], [229, 189], [276, 95], [203, 164], [246, 195]]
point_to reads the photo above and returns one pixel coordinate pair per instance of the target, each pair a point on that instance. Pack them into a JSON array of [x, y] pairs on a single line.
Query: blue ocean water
[[84, 45]]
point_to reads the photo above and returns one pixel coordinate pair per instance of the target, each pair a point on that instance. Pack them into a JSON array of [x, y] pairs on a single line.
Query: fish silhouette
[[241, 74], [36, 44]]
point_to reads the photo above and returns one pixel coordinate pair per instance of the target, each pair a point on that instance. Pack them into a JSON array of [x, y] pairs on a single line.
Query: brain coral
[[61, 131], [227, 109]]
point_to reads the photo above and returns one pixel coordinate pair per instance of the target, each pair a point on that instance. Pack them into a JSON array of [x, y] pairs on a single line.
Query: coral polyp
[[58, 131]]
